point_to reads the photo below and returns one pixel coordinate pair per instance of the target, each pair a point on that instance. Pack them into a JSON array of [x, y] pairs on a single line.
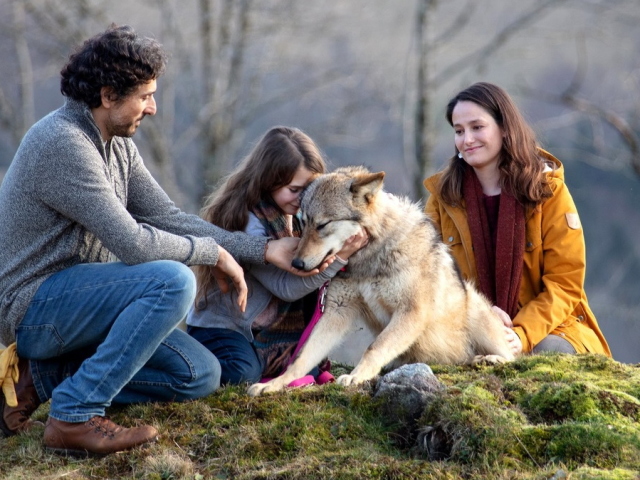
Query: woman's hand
[[353, 244], [513, 340], [504, 316], [227, 268]]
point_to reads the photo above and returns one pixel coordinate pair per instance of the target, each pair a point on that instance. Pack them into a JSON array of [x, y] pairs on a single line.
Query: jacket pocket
[[583, 338], [451, 238], [588, 338]]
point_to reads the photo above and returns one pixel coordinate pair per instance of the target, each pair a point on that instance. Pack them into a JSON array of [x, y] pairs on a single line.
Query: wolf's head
[[334, 207]]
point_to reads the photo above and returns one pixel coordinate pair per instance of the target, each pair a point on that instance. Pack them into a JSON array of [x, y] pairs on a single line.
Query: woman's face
[[287, 197], [477, 135]]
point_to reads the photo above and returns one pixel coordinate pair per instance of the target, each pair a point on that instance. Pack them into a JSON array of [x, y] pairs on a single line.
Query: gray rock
[[403, 394]]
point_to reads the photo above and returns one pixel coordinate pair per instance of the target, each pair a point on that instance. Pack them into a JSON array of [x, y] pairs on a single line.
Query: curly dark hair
[[117, 58]]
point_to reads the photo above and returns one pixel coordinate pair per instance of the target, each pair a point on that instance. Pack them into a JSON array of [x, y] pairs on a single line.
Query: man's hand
[[227, 268], [281, 252]]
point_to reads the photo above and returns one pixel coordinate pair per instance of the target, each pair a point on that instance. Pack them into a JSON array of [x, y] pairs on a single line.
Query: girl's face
[[477, 135], [287, 197]]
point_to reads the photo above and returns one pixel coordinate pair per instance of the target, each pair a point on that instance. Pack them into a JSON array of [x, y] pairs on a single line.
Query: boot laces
[[105, 427]]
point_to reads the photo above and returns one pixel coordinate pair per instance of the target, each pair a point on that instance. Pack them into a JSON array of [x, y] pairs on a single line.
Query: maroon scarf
[[502, 284]]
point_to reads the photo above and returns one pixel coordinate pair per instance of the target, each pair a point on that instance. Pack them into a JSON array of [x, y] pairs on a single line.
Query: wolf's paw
[[488, 360], [258, 389], [348, 380]]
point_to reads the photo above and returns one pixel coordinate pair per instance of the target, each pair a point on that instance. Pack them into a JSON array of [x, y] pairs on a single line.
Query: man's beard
[[124, 130]]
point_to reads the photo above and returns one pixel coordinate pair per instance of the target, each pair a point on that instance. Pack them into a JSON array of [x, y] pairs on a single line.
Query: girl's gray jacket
[[70, 198], [264, 282]]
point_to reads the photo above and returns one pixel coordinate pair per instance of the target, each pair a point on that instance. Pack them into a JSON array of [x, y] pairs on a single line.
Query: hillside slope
[[547, 416]]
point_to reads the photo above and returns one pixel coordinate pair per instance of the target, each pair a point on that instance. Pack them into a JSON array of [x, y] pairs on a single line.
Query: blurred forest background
[[369, 80]]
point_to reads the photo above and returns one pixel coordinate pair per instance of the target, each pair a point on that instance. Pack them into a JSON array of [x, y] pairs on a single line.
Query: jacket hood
[[554, 169]]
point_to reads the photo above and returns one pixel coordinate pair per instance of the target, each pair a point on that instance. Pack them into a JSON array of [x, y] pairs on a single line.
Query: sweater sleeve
[[148, 203], [77, 185], [284, 285]]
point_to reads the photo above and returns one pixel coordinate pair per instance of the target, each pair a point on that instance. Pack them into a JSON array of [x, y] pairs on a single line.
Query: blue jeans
[[103, 333], [239, 362]]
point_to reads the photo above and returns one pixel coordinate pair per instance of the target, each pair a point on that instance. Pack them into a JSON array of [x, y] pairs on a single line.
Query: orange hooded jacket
[[552, 297]]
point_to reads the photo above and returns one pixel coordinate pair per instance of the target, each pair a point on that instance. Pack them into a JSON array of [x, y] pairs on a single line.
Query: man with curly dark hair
[[94, 261]]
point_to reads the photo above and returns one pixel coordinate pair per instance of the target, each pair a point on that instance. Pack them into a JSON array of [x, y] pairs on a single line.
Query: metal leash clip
[[323, 296]]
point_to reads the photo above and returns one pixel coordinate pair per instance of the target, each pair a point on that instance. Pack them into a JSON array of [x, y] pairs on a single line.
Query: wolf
[[403, 285]]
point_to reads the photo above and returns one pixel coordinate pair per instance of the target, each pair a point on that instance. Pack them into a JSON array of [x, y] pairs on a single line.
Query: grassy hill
[[540, 417]]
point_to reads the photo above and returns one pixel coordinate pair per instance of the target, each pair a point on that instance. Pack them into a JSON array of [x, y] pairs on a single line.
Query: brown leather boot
[[16, 419], [98, 436]]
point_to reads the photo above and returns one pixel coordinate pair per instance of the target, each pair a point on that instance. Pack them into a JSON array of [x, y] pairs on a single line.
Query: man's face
[[127, 113]]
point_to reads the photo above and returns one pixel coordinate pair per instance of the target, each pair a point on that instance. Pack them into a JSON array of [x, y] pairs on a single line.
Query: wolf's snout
[[297, 263]]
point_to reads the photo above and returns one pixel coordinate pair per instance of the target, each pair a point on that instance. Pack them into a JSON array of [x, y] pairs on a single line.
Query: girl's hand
[[353, 244], [227, 268], [281, 252]]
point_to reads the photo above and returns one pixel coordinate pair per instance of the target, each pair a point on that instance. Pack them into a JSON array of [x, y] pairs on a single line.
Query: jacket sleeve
[[562, 270], [289, 287]]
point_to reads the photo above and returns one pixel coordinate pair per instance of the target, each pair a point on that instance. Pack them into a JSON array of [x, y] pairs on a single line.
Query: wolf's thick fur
[[403, 285]]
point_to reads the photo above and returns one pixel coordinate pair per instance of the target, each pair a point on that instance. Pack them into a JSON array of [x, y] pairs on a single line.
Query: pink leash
[[325, 375]]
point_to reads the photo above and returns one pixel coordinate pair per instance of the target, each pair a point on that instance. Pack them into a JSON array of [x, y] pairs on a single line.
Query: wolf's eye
[[322, 225]]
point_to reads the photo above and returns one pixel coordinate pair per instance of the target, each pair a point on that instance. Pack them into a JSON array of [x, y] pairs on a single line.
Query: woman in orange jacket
[[503, 208]]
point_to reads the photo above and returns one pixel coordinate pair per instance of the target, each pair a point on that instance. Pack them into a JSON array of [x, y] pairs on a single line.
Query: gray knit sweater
[[69, 198]]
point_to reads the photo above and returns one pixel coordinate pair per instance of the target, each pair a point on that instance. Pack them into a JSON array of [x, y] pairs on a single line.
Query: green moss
[[536, 418], [476, 422], [540, 410], [578, 444], [579, 401], [598, 474], [556, 402]]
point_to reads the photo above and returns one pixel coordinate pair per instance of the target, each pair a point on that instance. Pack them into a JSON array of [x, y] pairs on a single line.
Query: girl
[[262, 197], [503, 207]]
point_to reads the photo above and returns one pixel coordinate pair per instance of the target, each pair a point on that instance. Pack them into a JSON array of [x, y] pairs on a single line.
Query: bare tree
[[429, 42], [209, 123], [215, 87], [53, 26], [572, 98], [26, 112], [222, 83], [229, 94]]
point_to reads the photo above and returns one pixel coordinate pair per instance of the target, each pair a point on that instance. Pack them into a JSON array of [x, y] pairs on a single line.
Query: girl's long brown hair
[[270, 165], [521, 169]]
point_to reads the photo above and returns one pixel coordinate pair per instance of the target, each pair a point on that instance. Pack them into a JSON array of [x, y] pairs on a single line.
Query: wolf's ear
[[366, 186]]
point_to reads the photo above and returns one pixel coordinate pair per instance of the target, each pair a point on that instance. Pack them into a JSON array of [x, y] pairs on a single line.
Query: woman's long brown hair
[[271, 164], [521, 169]]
